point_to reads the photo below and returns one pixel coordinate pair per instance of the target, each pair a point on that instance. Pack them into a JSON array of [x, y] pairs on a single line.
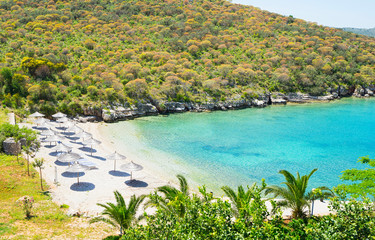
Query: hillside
[[68, 55], [364, 31]]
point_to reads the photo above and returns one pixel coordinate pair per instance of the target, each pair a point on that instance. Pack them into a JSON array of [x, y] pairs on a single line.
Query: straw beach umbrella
[[83, 135], [45, 124], [40, 121], [115, 157], [59, 115], [90, 142], [74, 129], [47, 132], [62, 120], [36, 115], [53, 138], [61, 147], [76, 168], [69, 157], [131, 167]]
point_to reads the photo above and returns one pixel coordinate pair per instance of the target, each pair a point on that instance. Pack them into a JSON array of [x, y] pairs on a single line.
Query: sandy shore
[[98, 185]]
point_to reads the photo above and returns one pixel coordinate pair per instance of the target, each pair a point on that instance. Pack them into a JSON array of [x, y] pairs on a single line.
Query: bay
[[243, 146]]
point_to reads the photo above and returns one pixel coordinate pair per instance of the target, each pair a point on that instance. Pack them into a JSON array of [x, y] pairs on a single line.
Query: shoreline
[[122, 112], [96, 186], [84, 201]]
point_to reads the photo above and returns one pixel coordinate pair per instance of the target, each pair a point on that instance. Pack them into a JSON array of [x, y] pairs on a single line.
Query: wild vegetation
[[8, 130], [68, 55], [46, 219], [28, 213], [202, 216]]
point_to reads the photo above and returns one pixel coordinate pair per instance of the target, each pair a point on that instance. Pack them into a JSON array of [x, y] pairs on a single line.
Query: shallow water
[[241, 147]]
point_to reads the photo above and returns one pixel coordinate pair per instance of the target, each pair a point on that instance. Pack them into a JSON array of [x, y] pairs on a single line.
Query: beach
[[98, 185]]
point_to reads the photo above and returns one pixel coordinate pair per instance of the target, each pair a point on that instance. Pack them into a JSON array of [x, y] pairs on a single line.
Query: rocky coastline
[[121, 113]]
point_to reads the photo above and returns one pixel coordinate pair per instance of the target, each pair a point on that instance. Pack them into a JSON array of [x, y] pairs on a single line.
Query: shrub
[[26, 202]]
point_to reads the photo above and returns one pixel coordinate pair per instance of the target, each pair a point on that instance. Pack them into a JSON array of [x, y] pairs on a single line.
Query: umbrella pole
[[131, 176], [91, 150], [78, 177], [114, 167]]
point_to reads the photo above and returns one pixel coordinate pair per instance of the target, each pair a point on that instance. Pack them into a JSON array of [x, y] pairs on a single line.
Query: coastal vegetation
[[38, 163], [70, 55], [47, 220], [181, 214], [247, 217], [294, 195], [363, 180], [120, 215], [8, 130]]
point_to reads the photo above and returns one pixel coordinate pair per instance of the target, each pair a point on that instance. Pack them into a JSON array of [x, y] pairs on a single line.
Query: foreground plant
[[120, 215], [38, 163], [320, 193], [173, 199], [248, 205], [294, 194], [26, 202], [362, 180]]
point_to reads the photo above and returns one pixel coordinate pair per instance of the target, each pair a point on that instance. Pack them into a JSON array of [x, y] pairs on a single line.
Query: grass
[[49, 220], [3, 116]]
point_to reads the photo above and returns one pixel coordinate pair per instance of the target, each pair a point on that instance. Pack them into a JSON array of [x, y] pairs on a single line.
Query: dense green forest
[[67, 55]]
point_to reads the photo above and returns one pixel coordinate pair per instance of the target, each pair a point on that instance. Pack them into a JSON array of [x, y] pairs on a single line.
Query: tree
[[32, 145], [28, 151], [248, 205], [38, 162], [294, 194], [120, 215], [319, 193], [363, 180], [137, 88], [174, 199]]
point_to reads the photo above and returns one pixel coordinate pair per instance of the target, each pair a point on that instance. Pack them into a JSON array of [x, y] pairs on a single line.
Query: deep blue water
[[243, 146]]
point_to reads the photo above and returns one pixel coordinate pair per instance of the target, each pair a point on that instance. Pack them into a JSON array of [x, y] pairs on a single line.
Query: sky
[[332, 13]]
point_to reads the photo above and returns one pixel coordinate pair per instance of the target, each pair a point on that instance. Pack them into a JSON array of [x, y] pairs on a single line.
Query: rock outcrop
[[92, 111], [10, 146], [121, 112]]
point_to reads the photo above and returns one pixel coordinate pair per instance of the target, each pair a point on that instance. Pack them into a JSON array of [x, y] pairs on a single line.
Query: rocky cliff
[[118, 113]]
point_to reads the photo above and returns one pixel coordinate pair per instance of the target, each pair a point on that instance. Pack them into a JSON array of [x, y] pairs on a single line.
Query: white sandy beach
[[98, 185]]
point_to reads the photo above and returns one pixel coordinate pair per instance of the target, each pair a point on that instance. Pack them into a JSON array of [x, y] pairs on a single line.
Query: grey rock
[[88, 119], [326, 98], [108, 115], [10, 146], [147, 109], [278, 101], [174, 107], [343, 92], [362, 92], [370, 92], [93, 111], [258, 103]]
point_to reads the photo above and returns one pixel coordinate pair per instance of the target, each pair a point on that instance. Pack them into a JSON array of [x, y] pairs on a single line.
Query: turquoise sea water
[[243, 146]]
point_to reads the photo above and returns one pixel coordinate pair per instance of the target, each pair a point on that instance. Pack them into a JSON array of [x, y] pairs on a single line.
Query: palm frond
[[183, 184]]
